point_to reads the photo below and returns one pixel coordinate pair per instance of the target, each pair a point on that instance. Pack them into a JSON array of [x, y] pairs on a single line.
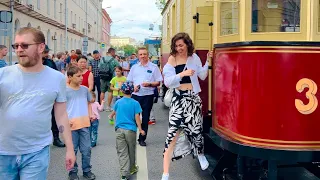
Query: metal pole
[[66, 25], [11, 33], [87, 18]]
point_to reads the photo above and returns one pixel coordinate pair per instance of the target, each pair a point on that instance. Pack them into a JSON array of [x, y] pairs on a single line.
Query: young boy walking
[[79, 114], [127, 112]]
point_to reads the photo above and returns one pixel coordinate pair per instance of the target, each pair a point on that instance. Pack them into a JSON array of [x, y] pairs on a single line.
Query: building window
[[71, 17], [48, 38], [38, 4], [229, 18], [16, 25], [48, 7], [61, 39], [67, 45], [55, 43], [276, 16], [61, 11], [55, 8]]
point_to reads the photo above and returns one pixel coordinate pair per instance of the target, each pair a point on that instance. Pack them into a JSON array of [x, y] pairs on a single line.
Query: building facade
[[106, 32], [81, 17], [122, 41]]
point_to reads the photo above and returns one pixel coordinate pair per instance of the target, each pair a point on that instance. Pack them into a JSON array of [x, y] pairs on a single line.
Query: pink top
[[96, 109]]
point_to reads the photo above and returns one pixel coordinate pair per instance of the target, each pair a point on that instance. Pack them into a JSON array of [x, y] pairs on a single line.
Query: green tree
[[161, 3], [128, 49]]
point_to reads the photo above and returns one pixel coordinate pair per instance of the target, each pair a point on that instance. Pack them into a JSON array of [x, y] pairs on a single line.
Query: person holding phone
[[145, 76], [181, 73]]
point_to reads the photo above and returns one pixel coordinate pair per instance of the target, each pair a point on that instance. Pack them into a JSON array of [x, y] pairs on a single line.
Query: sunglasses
[[23, 46]]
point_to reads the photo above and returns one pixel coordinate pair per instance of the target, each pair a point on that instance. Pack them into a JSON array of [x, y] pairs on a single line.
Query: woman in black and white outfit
[[186, 106]]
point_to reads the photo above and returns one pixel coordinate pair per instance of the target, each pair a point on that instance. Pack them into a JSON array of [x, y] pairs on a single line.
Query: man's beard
[[29, 61]]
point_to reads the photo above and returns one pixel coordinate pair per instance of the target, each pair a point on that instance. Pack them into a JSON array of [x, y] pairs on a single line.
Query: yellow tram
[[260, 98]]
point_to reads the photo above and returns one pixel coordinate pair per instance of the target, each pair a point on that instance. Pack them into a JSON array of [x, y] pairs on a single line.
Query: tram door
[[203, 43]]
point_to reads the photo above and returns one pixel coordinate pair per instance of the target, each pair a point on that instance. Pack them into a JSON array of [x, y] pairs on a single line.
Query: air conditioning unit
[[30, 6], [74, 25]]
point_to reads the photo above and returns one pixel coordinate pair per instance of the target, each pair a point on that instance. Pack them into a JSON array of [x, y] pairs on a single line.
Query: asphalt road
[[105, 163]]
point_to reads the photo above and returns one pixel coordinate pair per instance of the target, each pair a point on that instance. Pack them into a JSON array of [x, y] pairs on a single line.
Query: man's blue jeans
[[24, 167], [81, 140]]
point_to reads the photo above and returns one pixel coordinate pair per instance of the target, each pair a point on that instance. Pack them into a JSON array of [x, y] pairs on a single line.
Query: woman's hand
[[209, 55], [188, 72]]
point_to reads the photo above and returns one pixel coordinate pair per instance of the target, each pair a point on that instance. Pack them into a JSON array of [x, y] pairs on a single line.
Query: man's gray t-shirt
[[26, 102]]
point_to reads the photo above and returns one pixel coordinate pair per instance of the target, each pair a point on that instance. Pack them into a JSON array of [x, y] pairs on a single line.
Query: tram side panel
[[267, 97]]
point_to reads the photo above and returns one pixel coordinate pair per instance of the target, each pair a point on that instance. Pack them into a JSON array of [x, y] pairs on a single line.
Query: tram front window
[[276, 15], [229, 18]]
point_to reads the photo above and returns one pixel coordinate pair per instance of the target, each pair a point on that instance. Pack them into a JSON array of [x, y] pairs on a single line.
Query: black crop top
[[179, 68]]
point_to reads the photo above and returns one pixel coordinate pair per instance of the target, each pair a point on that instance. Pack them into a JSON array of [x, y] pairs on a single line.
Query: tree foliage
[[127, 49], [161, 3]]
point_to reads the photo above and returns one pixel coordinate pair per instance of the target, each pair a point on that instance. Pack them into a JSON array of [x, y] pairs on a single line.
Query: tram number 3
[[310, 95]]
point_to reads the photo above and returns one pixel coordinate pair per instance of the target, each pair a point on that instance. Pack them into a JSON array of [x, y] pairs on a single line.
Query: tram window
[[229, 18], [276, 15]]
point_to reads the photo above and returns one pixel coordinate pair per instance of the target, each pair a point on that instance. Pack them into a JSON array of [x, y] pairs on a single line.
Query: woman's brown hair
[[186, 39]]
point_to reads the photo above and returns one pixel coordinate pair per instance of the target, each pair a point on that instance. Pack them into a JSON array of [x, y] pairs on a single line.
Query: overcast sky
[[131, 18]]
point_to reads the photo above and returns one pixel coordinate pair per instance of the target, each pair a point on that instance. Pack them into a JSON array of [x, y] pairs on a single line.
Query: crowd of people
[[66, 93]]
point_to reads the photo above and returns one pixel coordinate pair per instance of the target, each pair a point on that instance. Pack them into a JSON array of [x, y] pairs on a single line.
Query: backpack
[[105, 70]]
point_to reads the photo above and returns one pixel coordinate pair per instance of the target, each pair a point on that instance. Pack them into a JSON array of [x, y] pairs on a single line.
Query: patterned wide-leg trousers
[[185, 114]]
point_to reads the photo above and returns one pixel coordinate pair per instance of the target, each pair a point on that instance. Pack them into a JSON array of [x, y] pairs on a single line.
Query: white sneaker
[[203, 162], [165, 177], [108, 109]]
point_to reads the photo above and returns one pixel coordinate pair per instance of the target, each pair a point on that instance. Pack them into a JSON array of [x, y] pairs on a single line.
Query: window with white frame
[[55, 8], [61, 11], [48, 7]]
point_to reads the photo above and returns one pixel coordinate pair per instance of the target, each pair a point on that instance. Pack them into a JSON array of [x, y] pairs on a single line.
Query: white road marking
[[141, 158]]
